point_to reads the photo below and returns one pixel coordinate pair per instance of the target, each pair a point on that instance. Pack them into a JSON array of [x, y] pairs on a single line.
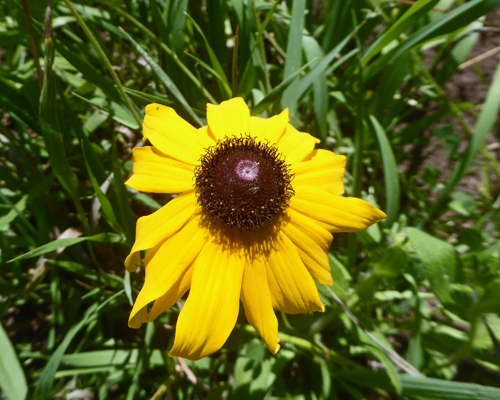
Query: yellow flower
[[253, 221]]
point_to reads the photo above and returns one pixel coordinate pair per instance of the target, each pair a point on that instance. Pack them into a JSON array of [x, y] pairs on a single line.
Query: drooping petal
[[292, 289], [295, 145], [173, 295], [156, 172], [323, 170], [270, 129], [256, 299], [312, 243], [159, 226], [229, 118], [335, 214], [212, 306], [168, 269], [172, 135]]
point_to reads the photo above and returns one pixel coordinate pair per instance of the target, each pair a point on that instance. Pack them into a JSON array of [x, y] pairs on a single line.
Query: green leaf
[[223, 83], [169, 84], [293, 55], [66, 242], [391, 173], [274, 94], [49, 121], [392, 261], [104, 202], [431, 388], [449, 22], [440, 261], [484, 124], [44, 384], [409, 18], [12, 379]]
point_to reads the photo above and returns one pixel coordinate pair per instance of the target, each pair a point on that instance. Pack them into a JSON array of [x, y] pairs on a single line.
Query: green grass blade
[[431, 388], [321, 66], [105, 237], [485, 122], [223, 83], [44, 383], [416, 11], [49, 121], [107, 208], [455, 19], [164, 78], [391, 175], [105, 60], [293, 56], [12, 379], [274, 94]]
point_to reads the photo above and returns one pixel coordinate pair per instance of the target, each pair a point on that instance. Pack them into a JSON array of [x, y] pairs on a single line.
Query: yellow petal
[[335, 214], [269, 128], [229, 118], [295, 145], [160, 225], [172, 135], [173, 295], [323, 170], [140, 317], [212, 306], [256, 299], [312, 243], [292, 289], [168, 269], [156, 172]]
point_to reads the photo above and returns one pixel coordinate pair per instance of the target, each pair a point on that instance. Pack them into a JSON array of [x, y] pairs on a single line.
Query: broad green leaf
[[392, 261], [440, 261], [12, 379]]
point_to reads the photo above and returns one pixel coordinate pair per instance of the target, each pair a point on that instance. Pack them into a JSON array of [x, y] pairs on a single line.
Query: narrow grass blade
[[223, 83], [274, 94], [416, 11], [455, 19], [164, 78], [107, 208], [49, 120], [391, 175], [487, 118], [293, 55], [44, 383], [321, 66], [104, 237], [12, 379], [431, 388]]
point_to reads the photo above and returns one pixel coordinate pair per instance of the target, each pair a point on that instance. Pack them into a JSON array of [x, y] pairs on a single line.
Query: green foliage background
[[367, 77]]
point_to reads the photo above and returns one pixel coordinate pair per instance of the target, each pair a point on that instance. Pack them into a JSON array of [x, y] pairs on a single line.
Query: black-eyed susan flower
[[253, 220]]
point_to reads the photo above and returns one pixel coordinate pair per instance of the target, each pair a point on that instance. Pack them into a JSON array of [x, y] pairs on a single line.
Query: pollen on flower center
[[243, 183]]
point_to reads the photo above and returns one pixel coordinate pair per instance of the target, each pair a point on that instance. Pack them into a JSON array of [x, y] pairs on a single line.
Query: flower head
[[253, 220]]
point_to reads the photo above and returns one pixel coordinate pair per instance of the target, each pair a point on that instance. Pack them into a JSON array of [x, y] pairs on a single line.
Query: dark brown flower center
[[243, 183]]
